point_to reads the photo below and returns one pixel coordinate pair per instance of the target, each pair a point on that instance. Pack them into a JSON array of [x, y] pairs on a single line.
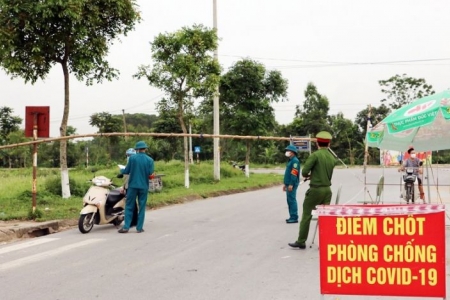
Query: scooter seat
[[114, 196]]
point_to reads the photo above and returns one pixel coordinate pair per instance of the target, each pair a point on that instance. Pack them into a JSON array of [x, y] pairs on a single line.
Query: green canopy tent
[[424, 124]]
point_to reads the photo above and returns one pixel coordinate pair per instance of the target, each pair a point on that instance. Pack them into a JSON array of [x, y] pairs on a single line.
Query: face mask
[[413, 155], [288, 154]]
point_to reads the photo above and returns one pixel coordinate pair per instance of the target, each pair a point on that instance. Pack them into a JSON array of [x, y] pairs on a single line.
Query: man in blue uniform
[[291, 182], [139, 167]]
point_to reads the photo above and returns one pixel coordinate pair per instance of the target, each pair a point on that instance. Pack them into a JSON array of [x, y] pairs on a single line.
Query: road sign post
[[36, 125], [302, 143], [197, 150]]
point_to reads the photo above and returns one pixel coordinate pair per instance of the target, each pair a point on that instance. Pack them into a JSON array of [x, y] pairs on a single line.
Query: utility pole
[[124, 124], [216, 106], [191, 157]]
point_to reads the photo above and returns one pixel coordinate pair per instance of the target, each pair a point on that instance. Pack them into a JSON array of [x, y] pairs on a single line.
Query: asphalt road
[[230, 247]]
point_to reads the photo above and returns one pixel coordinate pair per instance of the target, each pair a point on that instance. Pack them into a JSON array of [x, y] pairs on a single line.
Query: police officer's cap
[[323, 137], [140, 145], [291, 148]]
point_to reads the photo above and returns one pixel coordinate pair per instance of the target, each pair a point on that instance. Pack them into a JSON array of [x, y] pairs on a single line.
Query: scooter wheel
[[117, 222], [85, 223]]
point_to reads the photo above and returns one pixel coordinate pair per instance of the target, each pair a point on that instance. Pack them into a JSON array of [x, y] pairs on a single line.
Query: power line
[[81, 117], [320, 64], [282, 59]]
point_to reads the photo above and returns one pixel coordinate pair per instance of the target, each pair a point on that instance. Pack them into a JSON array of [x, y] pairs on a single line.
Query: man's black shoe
[[289, 221], [297, 245]]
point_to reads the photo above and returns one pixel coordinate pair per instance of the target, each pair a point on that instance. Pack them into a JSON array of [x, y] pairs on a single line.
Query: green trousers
[[292, 202], [314, 196]]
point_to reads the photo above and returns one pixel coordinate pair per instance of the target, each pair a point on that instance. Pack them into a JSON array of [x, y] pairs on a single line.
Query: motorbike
[[103, 204], [238, 166], [410, 186]]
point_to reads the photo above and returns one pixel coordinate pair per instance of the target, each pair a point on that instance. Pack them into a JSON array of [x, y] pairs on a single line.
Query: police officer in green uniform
[[291, 182], [318, 168]]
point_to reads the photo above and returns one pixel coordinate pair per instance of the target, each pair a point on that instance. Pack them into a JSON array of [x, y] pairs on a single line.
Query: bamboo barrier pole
[[153, 134]]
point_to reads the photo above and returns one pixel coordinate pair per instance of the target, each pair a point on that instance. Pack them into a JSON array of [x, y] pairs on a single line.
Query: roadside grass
[[16, 184]]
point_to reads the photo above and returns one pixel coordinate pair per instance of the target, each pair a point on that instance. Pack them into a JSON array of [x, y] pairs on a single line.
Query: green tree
[[345, 137], [401, 90], [314, 113], [139, 122], [8, 123], [21, 155], [71, 130], [168, 123], [247, 91], [184, 68], [105, 122], [76, 34], [270, 152], [377, 114]]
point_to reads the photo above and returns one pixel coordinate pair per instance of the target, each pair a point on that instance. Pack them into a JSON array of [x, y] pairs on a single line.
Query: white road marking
[[27, 244], [163, 236], [47, 254]]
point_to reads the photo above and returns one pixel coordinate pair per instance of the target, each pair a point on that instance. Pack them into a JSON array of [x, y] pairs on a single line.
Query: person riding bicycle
[[415, 163]]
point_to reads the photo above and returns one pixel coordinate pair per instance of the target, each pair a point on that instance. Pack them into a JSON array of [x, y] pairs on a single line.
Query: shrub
[[37, 214], [41, 196], [53, 185]]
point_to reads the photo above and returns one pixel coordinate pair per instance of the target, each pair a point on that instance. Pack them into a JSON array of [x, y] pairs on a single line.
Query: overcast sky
[[344, 47]]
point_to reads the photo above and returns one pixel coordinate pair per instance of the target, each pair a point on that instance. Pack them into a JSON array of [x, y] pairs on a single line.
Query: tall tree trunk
[[185, 146], [65, 187], [247, 159]]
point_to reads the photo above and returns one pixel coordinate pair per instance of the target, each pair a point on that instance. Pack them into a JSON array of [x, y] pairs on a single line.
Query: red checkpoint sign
[[43, 121], [384, 250]]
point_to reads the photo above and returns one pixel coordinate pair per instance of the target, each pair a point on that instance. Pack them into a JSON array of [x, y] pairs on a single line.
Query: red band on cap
[[320, 140]]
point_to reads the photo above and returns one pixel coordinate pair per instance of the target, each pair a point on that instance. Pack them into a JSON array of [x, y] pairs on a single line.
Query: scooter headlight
[[99, 182]]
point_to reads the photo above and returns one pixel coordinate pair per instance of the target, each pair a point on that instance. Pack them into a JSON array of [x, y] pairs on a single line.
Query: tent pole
[[366, 151]]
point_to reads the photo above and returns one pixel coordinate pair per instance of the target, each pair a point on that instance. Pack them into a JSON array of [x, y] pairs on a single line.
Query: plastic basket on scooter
[[155, 184], [409, 178]]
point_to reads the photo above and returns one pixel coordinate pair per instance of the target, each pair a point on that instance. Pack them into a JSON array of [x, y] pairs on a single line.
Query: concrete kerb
[[14, 230]]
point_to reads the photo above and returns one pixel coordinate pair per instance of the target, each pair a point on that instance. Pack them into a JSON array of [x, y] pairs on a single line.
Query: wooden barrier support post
[[34, 186]]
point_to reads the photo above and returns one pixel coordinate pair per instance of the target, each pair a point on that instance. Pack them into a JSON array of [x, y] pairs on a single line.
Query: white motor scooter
[[102, 204]]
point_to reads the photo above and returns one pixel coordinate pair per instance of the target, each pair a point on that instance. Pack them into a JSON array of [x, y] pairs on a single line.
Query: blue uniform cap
[[140, 145], [291, 148]]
